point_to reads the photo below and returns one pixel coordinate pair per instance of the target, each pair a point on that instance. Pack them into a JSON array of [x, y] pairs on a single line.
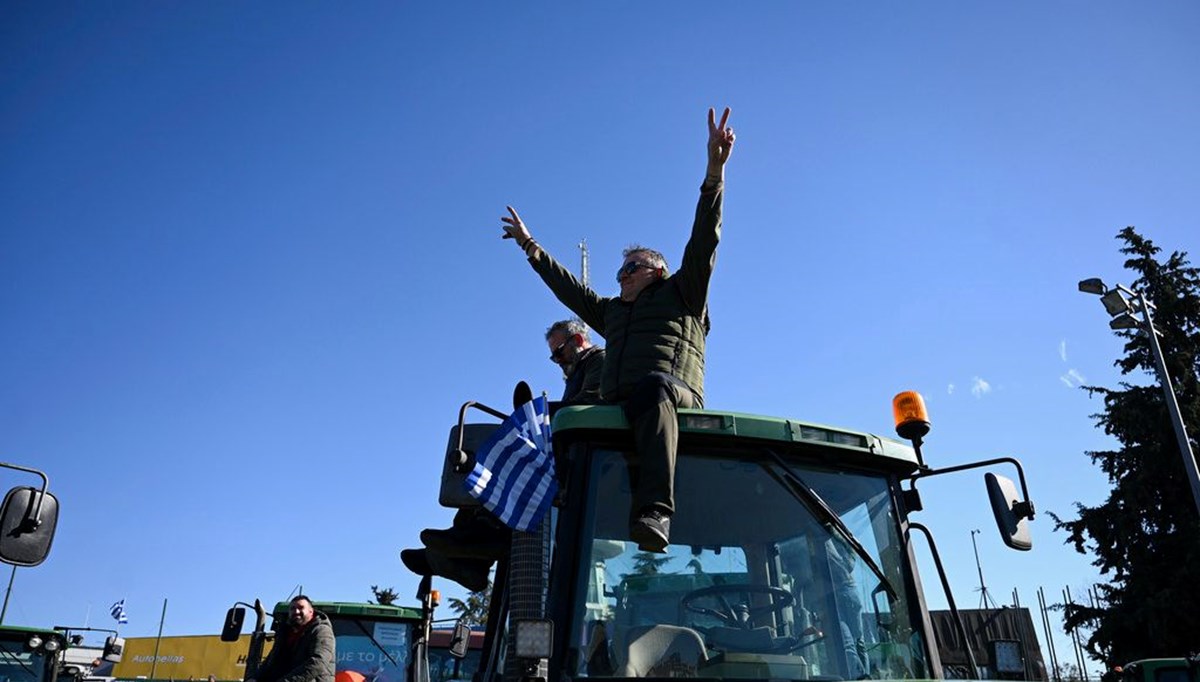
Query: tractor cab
[[780, 565], [789, 558]]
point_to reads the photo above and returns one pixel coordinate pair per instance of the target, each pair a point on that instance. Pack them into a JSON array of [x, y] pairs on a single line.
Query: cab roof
[[736, 425], [357, 610], [18, 630]]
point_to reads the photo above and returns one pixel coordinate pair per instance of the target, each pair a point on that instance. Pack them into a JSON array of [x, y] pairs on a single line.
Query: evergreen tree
[[648, 563], [385, 596], [1146, 536]]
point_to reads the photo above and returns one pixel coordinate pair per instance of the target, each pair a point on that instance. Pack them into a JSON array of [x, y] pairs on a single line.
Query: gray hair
[[652, 257], [569, 327]]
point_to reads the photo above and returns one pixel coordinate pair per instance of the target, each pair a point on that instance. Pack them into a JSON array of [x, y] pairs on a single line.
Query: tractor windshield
[[775, 570], [376, 649]]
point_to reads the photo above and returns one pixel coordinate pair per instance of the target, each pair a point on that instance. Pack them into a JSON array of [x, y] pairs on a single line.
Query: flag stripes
[[514, 471], [118, 612]]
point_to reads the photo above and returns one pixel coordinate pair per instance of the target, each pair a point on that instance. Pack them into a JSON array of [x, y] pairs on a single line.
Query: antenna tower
[[984, 597], [584, 278]]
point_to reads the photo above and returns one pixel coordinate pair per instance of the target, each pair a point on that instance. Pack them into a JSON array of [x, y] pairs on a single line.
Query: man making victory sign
[[655, 332]]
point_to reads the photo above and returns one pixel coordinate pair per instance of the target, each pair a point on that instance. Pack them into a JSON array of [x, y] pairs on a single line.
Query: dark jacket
[[664, 329], [583, 383], [311, 659]]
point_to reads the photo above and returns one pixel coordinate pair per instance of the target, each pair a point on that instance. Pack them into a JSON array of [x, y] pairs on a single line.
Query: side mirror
[[234, 619], [24, 541], [113, 647], [460, 462], [461, 640], [1010, 512]]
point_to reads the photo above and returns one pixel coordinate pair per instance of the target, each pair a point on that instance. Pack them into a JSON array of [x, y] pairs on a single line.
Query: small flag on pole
[[118, 612], [514, 471]]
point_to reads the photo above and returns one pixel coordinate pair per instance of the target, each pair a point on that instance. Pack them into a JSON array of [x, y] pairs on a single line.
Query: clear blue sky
[[250, 265]]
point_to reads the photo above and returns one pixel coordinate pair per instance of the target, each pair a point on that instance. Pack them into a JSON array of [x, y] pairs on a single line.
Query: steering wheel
[[743, 615]]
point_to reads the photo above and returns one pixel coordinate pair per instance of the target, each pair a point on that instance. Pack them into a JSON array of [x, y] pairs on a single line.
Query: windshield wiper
[[828, 518], [18, 661], [377, 644]]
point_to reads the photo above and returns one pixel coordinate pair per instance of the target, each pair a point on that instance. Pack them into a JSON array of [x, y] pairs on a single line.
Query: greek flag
[[118, 612], [514, 470]]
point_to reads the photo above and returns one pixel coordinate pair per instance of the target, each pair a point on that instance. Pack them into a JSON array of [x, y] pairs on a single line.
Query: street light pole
[[1185, 446], [1121, 310]]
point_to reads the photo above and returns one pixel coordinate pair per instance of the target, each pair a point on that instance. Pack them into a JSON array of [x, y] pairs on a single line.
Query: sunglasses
[[557, 353], [630, 268]]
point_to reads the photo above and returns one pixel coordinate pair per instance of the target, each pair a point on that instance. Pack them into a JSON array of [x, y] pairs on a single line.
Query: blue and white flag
[[514, 470], [118, 612]]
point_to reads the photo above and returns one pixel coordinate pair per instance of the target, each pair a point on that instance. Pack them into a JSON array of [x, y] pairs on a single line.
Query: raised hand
[[720, 140], [514, 228]]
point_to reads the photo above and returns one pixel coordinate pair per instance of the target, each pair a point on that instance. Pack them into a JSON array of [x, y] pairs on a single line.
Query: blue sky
[[250, 265]]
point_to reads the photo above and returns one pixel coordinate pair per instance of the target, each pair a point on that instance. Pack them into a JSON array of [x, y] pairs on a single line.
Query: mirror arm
[[1023, 509], [462, 412], [459, 455], [260, 613], [37, 514]]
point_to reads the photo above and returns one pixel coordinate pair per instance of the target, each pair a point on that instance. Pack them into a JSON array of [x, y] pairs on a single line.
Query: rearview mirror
[[460, 462], [1014, 527], [461, 640], [234, 619], [113, 647], [24, 541]]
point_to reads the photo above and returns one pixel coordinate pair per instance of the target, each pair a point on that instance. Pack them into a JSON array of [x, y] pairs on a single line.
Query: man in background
[[304, 647], [476, 539], [581, 362]]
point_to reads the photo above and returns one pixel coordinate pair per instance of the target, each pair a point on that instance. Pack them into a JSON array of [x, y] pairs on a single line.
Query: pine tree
[[385, 596], [1145, 536], [648, 563]]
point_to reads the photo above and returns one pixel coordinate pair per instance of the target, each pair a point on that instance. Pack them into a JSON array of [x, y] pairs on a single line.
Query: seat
[[662, 651]]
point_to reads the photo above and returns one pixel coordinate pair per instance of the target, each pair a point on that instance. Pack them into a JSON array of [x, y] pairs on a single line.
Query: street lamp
[[1122, 305]]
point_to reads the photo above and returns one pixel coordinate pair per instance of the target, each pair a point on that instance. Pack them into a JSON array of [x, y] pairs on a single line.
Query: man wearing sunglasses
[[655, 331], [582, 363], [466, 550]]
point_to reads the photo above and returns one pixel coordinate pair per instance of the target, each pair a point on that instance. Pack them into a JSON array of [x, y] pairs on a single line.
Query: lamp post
[[1121, 304]]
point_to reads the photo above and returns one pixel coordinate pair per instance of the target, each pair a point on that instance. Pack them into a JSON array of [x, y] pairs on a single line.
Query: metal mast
[[584, 278], [984, 597]]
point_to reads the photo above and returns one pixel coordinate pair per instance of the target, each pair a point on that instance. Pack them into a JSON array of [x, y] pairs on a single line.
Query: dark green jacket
[[583, 382], [664, 329], [312, 658]]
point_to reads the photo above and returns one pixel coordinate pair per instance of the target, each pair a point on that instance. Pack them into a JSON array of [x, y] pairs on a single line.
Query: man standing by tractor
[[303, 649], [655, 333]]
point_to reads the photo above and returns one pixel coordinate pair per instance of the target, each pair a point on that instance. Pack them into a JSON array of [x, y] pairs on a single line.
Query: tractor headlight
[[534, 638]]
